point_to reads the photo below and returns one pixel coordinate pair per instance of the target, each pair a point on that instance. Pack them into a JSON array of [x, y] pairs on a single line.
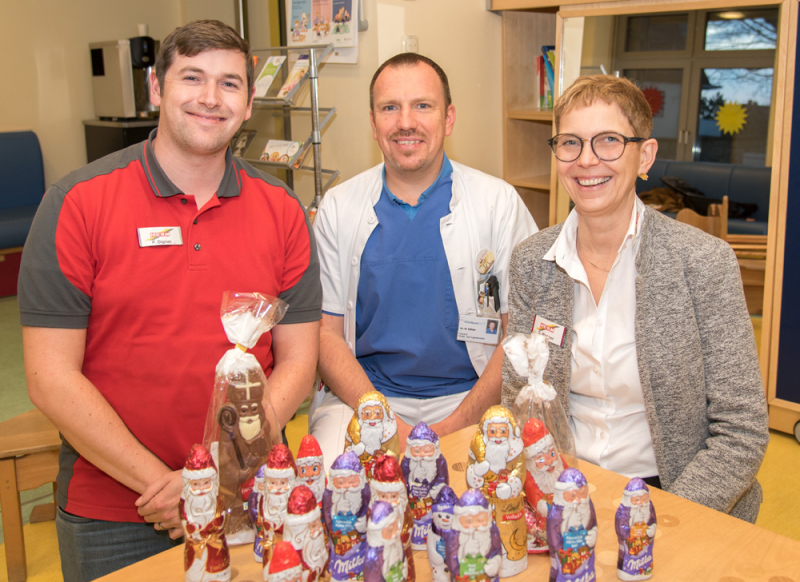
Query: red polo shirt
[[152, 313]]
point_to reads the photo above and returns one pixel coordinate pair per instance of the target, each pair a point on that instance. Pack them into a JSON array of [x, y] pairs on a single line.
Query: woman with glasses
[[657, 367]]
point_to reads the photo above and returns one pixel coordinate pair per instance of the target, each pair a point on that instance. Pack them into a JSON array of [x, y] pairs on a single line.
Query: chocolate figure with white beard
[[387, 484], [280, 473], [202, 512], [386, 559], [442, 512], [543, 466], [496, 467], [372, 431], [572, 530], [310, 466], [303, 529], [344, 508], [635, 525], [473, 546], [425, 473]]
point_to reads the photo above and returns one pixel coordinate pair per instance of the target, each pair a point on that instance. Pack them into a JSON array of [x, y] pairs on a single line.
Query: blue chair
[[21, 186]]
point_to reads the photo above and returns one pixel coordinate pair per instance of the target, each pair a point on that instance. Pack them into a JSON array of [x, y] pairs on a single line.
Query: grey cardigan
[[698, 366]]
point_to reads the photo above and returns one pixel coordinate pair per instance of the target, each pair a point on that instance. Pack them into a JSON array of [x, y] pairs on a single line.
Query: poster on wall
[[324, 22]]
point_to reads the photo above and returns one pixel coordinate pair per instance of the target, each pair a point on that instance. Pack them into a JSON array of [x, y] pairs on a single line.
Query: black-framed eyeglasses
[[607, 146]]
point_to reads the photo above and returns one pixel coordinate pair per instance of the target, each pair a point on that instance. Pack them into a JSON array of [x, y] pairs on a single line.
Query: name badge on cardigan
[[550, 330], [157, 236]]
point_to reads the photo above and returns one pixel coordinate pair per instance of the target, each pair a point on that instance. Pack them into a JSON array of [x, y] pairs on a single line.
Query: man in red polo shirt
[[121, 335]]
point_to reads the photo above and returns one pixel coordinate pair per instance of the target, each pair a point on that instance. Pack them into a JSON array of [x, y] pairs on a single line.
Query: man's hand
[[159, 504]]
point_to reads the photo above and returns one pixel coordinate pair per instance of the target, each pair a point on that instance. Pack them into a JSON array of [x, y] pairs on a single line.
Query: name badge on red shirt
[[157, 236]]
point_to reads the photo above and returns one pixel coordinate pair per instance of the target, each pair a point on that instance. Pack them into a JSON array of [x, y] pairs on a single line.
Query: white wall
[[47, 62], [47, 69], [460, 35]]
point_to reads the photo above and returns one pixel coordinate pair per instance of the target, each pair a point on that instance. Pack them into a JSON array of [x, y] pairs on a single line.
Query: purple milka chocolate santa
[[473, 546], [344, 508], [572, 530], [635, 525], [425, 473]]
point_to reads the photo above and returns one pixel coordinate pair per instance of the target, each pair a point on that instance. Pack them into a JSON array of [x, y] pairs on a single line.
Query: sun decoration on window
[[655, 99], [731, 118]]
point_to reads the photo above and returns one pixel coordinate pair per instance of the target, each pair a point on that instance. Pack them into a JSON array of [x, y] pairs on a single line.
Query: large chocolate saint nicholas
[[243, 442]]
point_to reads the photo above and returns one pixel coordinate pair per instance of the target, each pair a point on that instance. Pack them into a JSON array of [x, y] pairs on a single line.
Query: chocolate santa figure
[[253, 503], [387, 484], [243, 444], [386, 558], [425, 473], [473, 546], [372, 431], [571, 530], [310, 467], [543, 466], [303, 529], [635, 525], [344, 509], [279, 475], [284, 566], [442, 513], [496, 467], [202, 512]]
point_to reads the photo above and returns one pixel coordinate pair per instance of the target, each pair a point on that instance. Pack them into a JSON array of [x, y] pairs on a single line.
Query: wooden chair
[[716, 223], [29, 446]]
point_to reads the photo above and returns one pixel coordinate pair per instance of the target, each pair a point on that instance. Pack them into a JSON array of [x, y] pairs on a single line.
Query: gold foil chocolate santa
[[496, 467]]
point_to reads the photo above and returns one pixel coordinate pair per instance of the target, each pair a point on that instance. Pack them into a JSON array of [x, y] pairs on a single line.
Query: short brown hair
[[613, 90], [198, 37], [409, 60]]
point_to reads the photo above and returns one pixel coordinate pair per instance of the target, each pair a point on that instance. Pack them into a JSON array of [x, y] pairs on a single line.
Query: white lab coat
[[486, 213]]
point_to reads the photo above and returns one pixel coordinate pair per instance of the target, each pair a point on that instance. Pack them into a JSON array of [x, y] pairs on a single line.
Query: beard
[[275, 507], [474, 541], [497, 454], [200, 509], [546, 482], [392, 553], [371, 437], [639, 514], [249, 426], [575, 515], [423, 469], [312, 546], [317, 486], [344, 500]]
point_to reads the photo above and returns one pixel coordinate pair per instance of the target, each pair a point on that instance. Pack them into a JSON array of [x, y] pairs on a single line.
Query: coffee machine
[[121, 78]]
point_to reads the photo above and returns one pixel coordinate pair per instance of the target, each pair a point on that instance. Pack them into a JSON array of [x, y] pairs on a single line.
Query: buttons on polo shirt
[[194, 221], [354, 261], [349, 306], [371, 219], [197, 246], [184, 201]]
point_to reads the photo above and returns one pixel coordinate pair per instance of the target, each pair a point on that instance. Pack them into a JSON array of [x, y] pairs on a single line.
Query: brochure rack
[[284, 107]]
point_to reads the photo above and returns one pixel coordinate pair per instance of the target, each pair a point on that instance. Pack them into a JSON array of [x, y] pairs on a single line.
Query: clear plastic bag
[[528, 355], [241, 425]]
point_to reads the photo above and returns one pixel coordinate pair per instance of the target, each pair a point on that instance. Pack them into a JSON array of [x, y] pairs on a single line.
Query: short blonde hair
[[613, 90]]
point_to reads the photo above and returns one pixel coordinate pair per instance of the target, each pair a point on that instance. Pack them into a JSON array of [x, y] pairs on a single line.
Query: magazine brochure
[[280, 151], [267, 75], [299, 69]]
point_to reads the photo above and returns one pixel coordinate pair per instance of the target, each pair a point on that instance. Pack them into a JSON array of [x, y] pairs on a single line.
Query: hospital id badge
[[483, 330]]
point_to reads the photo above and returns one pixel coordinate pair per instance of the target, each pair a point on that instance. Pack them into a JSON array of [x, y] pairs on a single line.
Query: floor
[[780, 511]]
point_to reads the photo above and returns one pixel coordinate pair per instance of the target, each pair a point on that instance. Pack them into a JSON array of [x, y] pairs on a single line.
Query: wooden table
[[693, 543], [29, 445]]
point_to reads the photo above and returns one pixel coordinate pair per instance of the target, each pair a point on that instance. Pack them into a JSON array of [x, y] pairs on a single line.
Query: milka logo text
[[345, 566]]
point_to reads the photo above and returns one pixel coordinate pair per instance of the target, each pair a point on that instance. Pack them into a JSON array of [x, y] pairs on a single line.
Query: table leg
[[12, 522]]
